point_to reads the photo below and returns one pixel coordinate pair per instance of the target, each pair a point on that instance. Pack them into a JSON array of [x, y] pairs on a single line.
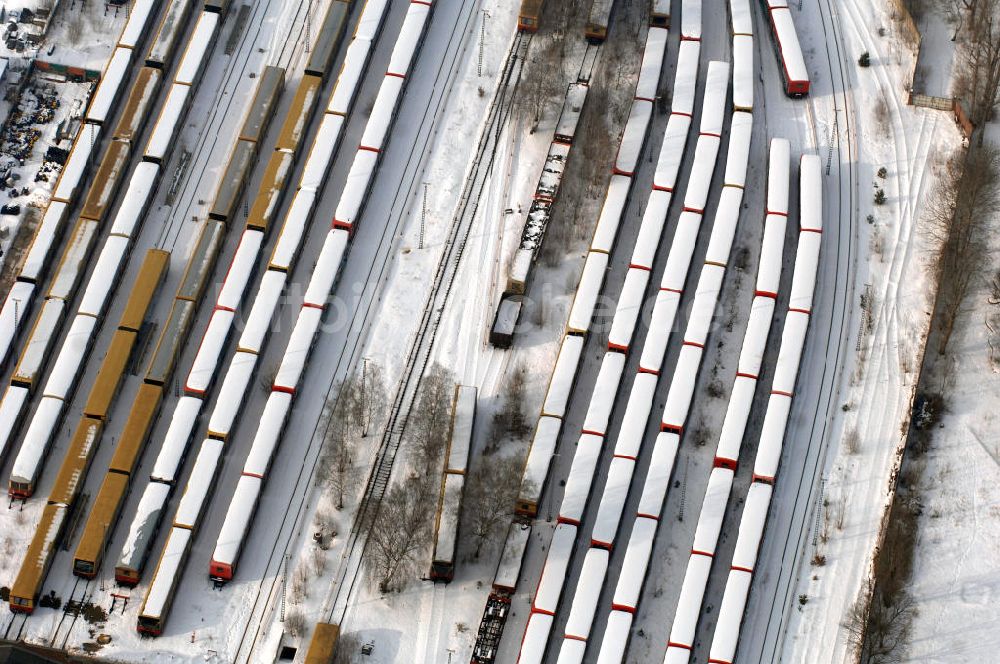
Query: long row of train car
[[109, 178], [201, 378], [109, 266]]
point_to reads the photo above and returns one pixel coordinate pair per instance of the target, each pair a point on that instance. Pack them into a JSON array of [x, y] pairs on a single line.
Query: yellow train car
[[323, 645], [109, 377], [139, 105], [110, 174], [528, 18], [28, 584], [154, 268], [77, 461], [138, 427], [272, 186], [101, 522], [300, 113]]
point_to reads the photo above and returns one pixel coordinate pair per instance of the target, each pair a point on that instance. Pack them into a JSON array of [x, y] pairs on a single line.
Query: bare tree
[[511, 418], [398, 536], [429, 424], [977, 77], [489, 499], [348, 646]]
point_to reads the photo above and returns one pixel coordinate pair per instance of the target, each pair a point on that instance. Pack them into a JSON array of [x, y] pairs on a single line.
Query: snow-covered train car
[[611, 214], [320, 157], [727, 628], [35, 447], [411, 36], [35, 354], [691, 20], [73, 262], [789, 52], [727, 217], [660, 14], [11, 407], [752, 526], [734, 425], [141, 534], [609, 510], [74, 171], [706, 297], [598, 19], [743, 73], [232, 394], [66, 368], [293, 362], [741, 18], [175, 441], [268, 435], [713, 107], [199, 484], [682, 631], [772, 247], [706, 154], [167, 124], [569, 117], [686, 77], [462, 423], [329, 38], [580, 479], [640, 402], [772, 436], [536, 468], [668, 163], [755, 337], [713, 512], [349, 79], [628, 309], [383, 113], [652, 64], [239, 516], [810, 193], [804, 274], [681, 392], [563, 376], [738, 154], [778, 176], [536, 637], [509, 567], [615, 639], [205, 367], [445, 540], [193, 61], [135, 27], [793, 339], [359, 182], [633, 569], [36, 262], [661, 465], [552, 172], [571, 651], [681, 251], [240, 270], [602, 400], [163, 587], [107, 270], [258, 322], [661, 324], [170, 29], [135, 200], [588, 592], [587, 292], [286, 249], [105, 97], [327, 268], [651, 229], [553, 576], [633, 137]]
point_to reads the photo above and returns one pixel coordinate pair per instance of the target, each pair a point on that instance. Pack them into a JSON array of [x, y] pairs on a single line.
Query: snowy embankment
[[876, 387]]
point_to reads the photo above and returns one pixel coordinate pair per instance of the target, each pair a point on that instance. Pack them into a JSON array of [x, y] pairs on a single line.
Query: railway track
[[15, 627], [423, 343], [295, 516], [808, 498], [74, 607]]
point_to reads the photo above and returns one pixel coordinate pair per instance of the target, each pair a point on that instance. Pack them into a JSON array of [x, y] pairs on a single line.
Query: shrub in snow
[[865, 60]]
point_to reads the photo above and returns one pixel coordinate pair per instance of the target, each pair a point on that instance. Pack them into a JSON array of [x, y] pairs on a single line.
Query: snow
[[268, 434], [36, 441], [176, 440], [109, 89], [237, 521], [609, 511], [232, 394], [105, 275], [137, 24], [605, 392], [657, 481], [199, 484], [258, 321], [240, 270]]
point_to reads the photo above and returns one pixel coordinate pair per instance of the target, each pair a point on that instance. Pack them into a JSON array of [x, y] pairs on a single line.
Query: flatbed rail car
[[323, 644], [530, 15], [446, 522], [87, 435], [145, 408], [598, 20]]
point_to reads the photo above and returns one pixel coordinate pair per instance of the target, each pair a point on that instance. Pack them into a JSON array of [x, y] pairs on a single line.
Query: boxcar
[[109, 377], [323, 644], [299, 114], [328, 40], [163, 587], [28, 584], [171, 340], [139, 104], [271, 190], [199, 267], [234, 180], [527, 19], [265, 101], [101, 522]]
